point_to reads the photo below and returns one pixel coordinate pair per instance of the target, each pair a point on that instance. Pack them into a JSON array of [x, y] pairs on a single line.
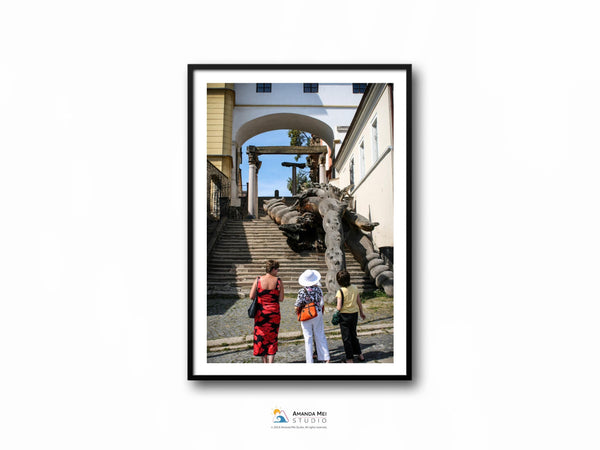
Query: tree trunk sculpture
[[320, 219]]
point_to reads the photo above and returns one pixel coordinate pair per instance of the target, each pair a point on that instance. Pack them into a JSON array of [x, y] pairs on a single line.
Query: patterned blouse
[[315, 294]]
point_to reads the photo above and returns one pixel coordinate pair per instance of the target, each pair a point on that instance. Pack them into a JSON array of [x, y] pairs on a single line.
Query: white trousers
[[314, 331]]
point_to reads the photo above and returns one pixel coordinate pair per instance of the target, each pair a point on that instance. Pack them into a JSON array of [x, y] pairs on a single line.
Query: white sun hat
[[309, 278]]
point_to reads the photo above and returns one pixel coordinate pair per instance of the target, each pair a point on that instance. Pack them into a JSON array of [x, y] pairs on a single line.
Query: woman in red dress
[[269, 289]]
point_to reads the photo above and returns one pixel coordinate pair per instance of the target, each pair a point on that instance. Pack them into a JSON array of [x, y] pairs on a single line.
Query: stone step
[[265, 220], [263, 227], [361, 286], [243, 270], [287, 282], [243, 247], [251, 224], [223, 277], [289, 277], [260, 253], [255, 241], [253, 238], [232, 251], [233, 256], [244, 291], [263, 230], [247, 231], [275, 246], [292, 276], [303, 254], [260, 262], [288, 287], [286, 266], [246, 235], [266, 246], [235, 238], [274, 250], [260, 257]]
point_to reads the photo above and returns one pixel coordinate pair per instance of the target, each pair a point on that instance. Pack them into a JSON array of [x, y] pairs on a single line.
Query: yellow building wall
[[219, 118]]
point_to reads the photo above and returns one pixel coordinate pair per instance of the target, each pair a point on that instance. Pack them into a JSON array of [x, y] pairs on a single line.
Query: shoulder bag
[[307, 311], [335, 319], [254, 305]]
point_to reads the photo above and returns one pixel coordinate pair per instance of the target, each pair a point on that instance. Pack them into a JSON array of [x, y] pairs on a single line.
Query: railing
[[218, 193]]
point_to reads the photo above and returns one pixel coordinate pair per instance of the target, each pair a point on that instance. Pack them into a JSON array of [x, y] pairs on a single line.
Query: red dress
[[266, 321]]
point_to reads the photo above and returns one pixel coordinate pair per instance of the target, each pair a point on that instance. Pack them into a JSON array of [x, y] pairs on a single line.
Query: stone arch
[[284, 121]]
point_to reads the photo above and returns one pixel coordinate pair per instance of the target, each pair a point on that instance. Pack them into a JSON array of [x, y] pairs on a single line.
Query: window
[[311, 87], [352, 171], [263, 87], [359, 88], [362, 159], [375, 149]]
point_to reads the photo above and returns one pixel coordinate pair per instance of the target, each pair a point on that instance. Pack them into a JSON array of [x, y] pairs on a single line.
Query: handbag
[[308, 311], [253, 308], [335, 319], [254, 305]]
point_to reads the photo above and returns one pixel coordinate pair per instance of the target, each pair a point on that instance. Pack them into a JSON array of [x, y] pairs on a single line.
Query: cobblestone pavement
[[377, 348], [229, 317], [230, 332]]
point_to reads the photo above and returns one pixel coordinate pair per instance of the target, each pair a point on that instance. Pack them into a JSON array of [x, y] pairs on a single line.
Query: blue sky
[[272, 175]]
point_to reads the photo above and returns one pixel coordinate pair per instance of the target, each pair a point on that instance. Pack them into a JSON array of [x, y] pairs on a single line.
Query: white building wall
[[289, 107], [330, 94], [287, 118], [373, 194], [374, 199]]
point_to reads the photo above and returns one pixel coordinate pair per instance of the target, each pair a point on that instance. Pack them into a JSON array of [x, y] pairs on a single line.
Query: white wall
[[373, 174], [334, 105], [330, 94], [374, 200], [93, 261], [329, 119]]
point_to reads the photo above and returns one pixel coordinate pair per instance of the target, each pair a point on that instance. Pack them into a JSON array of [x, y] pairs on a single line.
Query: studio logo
[[279, 416], [299, 419]]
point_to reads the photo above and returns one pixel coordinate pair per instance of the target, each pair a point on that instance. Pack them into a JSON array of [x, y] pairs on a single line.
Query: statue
[[321, 219]]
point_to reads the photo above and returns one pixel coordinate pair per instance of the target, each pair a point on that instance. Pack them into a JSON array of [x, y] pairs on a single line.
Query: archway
[[282, 121], [317, 155]]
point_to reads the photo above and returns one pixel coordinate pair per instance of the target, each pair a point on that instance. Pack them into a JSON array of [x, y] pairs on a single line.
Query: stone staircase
[[243, 247]]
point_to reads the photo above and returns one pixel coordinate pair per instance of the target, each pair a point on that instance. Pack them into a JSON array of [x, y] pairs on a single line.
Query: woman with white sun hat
[[312, 329]]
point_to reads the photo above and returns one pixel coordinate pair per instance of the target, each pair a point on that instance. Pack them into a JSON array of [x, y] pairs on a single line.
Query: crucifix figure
[[294, 166]]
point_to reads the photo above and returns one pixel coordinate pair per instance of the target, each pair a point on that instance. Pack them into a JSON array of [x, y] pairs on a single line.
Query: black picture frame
[[198, 370]]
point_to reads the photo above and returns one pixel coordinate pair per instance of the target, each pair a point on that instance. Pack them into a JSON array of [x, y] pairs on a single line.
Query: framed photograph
[[299, 203]]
